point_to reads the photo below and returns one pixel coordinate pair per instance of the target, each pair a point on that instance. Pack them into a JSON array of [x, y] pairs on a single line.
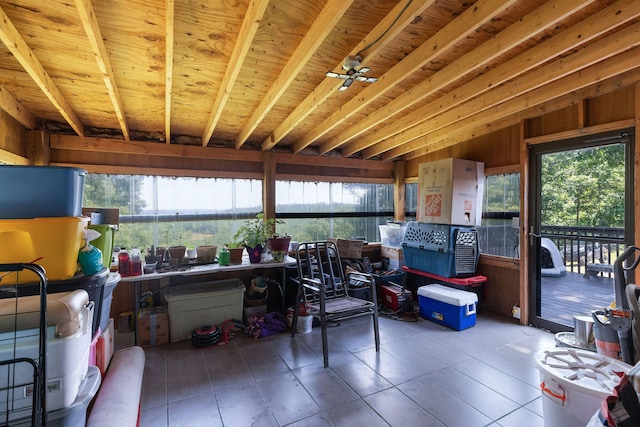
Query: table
[[201, 270]]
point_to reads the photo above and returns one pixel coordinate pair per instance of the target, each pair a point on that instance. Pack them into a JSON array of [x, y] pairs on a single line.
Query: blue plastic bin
[[40, 191]]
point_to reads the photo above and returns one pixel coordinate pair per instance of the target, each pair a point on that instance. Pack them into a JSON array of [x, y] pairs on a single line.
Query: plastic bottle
[[136, 262], [124, 263]]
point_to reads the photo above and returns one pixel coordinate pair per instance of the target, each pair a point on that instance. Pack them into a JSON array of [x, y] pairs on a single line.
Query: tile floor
[[424, 375]]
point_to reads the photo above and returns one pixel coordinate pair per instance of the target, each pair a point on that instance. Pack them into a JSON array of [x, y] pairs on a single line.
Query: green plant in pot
[[277, 243], [253, 235]]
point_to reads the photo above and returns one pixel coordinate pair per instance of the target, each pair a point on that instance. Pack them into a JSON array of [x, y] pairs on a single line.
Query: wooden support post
[[524, 227], [269, 185], [37, 147], [399, 191]]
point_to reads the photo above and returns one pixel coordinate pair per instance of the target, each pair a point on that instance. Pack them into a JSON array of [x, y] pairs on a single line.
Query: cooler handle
[[547, 391], [471, 309]]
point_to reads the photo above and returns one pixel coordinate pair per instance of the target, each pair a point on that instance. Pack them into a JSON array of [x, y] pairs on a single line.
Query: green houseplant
[[253, 235]]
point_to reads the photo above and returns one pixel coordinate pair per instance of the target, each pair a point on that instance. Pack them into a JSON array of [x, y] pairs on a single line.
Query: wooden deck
[[571, 294]]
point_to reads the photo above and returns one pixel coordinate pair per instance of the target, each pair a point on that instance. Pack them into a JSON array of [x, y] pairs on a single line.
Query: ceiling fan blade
[[346, 84], [371, 79], [331, 74], [364, 69]]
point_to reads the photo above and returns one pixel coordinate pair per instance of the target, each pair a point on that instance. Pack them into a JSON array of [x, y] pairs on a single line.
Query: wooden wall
[[501, 151]]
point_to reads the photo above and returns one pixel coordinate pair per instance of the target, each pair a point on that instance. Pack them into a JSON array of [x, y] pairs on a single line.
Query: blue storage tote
[[441, 249], [40, 191], [448, 306]]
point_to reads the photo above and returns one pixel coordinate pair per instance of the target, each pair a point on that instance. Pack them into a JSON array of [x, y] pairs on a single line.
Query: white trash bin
[[574, 383]]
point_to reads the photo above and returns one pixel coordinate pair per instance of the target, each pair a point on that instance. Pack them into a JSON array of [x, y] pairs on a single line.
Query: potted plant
[[277, 243], [235, 252], [253, 235]]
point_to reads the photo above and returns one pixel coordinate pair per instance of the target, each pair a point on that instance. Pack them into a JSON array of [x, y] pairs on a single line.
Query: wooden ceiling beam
[[16, 110], [320, 29], [594, 74], [94, 35], [392, 136], [469, 21], [169, 21], [12, 39], [544, 17], [250, 25], [384, 33]]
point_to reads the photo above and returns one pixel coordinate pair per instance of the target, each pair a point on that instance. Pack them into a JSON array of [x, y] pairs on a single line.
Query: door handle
[[532, 235]]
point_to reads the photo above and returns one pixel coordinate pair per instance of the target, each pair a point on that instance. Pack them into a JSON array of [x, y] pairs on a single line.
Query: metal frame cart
[[13, 386]]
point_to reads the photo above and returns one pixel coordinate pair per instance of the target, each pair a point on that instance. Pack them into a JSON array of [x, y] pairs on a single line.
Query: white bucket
[[570, 398], [305, 324]]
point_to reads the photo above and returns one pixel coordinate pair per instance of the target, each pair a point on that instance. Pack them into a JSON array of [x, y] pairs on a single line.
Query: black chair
[[323, 289]]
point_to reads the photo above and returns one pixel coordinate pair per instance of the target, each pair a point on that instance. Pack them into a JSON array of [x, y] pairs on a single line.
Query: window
[[500, 204], [317, 210], [410, 201], [164, 211]]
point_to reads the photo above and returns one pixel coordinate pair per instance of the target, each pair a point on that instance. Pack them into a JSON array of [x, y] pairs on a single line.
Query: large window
[[500, 205], [317, 210], [163, 211]]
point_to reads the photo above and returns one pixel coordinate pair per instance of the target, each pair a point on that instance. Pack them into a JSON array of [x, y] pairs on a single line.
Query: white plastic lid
[[448, 295], [590, 372]]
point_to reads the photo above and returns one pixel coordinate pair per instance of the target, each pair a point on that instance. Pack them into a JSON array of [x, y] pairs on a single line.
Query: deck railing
[[581, 246]]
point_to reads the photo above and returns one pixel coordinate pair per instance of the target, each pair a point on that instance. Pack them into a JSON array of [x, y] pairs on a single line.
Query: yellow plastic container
[[55, 240]]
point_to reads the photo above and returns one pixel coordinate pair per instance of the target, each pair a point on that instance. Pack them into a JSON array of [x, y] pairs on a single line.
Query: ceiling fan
[[353, 72]]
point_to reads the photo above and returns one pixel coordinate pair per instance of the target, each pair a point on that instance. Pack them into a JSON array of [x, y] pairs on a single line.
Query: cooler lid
[[590, 372], [198, 290], [448, 295]]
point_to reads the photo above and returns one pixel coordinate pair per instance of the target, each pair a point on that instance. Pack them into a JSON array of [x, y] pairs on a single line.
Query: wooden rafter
[[168, 67], [573, 37], [16, 110], [570, 82], [91, 27], [12, 39], [248, 31], [384, 31], [321, 27], [457, 30], [531, 25]]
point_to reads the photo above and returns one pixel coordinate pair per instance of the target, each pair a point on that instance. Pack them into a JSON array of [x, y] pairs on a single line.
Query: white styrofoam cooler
[[573, 383], [201, 304], [67, 361], [451, 307]]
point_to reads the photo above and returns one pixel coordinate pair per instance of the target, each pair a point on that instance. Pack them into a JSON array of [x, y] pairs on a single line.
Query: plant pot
[[235, 255], [279, 244], [178, 252], [206, 253], [255, 254]]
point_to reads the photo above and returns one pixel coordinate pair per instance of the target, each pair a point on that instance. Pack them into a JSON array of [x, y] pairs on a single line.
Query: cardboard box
[[448, 306], [391, 252], [349, 248], [450, 191], [104, 348], [153, 326]]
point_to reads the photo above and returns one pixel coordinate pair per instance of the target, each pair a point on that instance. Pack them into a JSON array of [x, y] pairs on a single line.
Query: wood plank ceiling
[[250, 74]]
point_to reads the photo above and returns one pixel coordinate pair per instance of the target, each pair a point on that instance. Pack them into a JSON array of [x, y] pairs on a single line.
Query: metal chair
[[323, 289]]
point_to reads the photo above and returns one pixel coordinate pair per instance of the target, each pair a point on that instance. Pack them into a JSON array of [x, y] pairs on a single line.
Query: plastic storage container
[[40, 191], [200, 304], [76, 414], [450, 307], [55, 240], [392, 234], [573, 383]]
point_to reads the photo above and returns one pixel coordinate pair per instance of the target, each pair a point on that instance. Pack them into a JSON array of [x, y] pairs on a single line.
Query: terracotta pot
[[178, 252], [235, 255], [206, 253]]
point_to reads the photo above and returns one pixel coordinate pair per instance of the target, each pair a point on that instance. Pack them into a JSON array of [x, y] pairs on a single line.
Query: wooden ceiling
[[250, 74]]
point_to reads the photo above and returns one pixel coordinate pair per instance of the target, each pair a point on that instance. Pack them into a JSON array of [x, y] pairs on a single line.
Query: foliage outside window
[[318, 210], [410, 201], [164, 211]]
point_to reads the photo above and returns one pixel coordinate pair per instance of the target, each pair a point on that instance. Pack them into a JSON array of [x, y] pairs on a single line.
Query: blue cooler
[[448, 306]]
